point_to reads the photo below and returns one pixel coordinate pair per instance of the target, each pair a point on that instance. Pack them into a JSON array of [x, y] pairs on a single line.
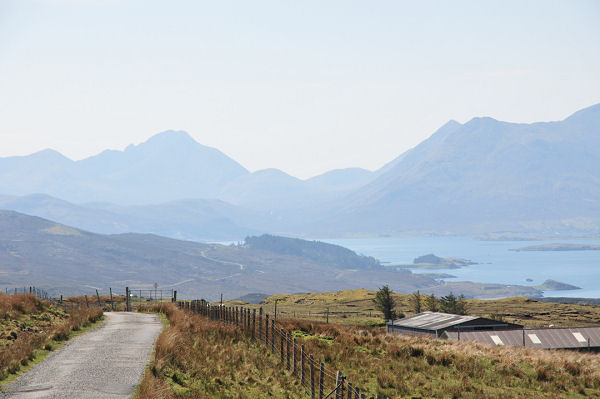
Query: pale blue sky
[[304, 86]]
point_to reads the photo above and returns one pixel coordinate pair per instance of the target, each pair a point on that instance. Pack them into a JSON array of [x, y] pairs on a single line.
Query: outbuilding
[[574, 338], [435, 323]]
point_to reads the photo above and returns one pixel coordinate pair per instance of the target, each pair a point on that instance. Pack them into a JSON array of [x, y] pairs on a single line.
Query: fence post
[[112, 304], [267, 330], [287, 350], [253, 322], [356, 393], [281, 336], [311, 358], [338, 380], [321, 379], [249, 317], [175, 296], [294, 357], [302, 365], [127, 308], [260, 311], [349, 390], [273, 336], [87, 304], [98, 296]]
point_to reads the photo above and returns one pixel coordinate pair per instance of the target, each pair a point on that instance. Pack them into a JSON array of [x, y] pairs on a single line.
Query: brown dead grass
[[199, 358], [28, 324]]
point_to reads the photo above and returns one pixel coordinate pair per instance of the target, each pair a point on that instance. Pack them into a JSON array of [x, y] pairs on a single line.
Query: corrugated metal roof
[[432, 320], [546, 338]]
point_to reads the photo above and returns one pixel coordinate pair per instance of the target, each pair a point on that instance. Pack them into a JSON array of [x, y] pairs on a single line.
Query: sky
[[303, 86]]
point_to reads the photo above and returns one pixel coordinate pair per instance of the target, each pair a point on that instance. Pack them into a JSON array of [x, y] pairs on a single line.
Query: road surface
[[107, 362]]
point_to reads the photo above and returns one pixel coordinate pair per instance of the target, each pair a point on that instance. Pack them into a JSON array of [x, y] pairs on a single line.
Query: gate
[[144, 296]]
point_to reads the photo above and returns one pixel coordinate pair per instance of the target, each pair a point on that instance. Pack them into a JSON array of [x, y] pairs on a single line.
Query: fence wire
[[317, 380]]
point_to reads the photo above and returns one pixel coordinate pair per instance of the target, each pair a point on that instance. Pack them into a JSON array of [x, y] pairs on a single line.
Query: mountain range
[[483, 176]]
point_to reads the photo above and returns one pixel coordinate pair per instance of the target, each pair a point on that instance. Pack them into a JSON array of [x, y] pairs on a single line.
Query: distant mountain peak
[[50, 154], [591, 112], [168, 138], [172, 135]]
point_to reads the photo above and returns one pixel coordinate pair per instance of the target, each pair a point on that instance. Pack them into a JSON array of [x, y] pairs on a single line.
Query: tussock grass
[[199, 358], [355, 307], [29, 325], [196, 357], [400, 366]]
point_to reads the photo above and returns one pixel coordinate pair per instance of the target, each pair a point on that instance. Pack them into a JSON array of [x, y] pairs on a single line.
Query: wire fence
[[129, 299], [317, 379]]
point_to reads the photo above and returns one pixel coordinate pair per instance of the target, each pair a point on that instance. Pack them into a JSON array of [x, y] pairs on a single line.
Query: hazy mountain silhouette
[[199, 220], [486, 175], [481, 176], [169, 166]]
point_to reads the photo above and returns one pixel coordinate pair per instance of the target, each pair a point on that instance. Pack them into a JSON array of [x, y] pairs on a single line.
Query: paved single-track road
[[107, 362]]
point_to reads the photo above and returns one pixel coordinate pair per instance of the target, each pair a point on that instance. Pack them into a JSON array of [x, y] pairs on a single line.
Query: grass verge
[[198, 358], [31, 328]]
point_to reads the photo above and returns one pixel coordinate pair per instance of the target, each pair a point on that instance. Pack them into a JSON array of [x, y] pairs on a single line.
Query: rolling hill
[[66, 260]]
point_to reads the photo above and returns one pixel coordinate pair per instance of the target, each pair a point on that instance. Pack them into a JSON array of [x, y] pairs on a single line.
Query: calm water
[[496, 263]]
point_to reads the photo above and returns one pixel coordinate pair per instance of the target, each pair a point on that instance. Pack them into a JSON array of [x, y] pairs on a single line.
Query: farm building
[[434, 323], [582, 338]]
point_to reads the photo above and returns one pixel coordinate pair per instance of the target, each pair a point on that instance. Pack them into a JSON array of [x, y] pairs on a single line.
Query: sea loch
[[496, 262]]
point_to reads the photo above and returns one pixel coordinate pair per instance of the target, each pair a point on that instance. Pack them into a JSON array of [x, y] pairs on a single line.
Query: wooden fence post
[[281, 336], [253, 329], [302, 364], [98, 296], [127, 307], [249, 317], [273, 337], [321, 379], [87, 304], [287, 351], [294, 357], [312, 376], [267, 330], [349, 390], [338, 380], [356, 393], [112, 304], [260, 311]]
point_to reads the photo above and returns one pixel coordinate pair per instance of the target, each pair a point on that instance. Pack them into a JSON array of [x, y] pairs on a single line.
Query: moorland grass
[[196, 357], [355, 307], [31, 327]]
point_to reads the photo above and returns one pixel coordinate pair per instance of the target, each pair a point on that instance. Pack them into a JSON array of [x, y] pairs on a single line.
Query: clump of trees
[[447, 304], [321, 252]]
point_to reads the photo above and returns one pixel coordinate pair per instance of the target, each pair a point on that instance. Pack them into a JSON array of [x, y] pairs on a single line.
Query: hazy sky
[[304, 86]]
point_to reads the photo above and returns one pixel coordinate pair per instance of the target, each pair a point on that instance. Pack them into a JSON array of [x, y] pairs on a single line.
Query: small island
[[553, 285], [560, 247], [432, 262]]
